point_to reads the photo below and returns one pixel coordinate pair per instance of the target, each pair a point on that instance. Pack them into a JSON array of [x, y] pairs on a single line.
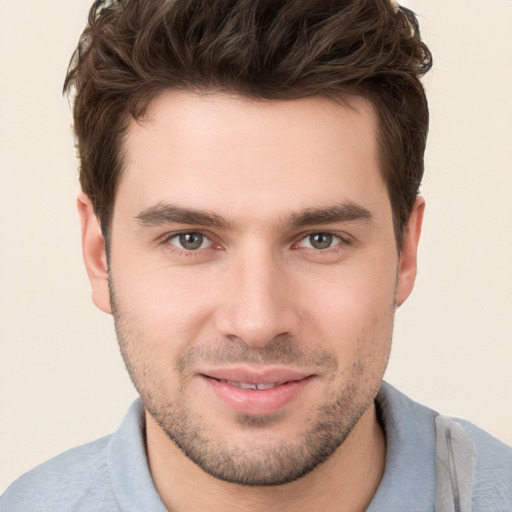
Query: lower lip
[[257, 402]]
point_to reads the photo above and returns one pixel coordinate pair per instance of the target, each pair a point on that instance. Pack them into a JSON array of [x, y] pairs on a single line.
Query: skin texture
[[255, 239]]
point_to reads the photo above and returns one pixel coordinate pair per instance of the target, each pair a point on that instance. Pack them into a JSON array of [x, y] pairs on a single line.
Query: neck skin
[[347, 481]]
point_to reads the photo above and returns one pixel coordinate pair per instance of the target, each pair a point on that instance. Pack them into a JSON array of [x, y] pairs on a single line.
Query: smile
[[267, 391]]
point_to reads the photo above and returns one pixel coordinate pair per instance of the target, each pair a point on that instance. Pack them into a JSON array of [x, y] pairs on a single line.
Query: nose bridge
[[257, 306]]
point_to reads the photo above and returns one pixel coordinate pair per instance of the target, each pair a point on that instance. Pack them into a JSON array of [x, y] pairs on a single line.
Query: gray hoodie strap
[[454, 466]]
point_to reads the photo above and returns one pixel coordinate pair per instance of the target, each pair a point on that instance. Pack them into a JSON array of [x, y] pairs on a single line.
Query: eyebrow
[[345, 212], [164, 213]]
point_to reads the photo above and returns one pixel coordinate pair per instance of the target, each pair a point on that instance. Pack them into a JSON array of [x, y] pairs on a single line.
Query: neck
[[347, 481]]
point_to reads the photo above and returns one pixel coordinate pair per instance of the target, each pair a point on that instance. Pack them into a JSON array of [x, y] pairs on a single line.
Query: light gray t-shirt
[[112, 474]]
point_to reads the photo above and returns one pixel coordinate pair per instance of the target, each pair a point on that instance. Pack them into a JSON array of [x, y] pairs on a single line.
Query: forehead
[[225, 152]]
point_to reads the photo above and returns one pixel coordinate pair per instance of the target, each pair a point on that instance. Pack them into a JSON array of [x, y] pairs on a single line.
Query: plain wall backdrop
[[62, 381]]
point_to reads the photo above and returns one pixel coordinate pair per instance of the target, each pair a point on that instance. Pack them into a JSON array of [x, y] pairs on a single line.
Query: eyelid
[[170, 234], [204, 240], [343, 239], [166, 240]]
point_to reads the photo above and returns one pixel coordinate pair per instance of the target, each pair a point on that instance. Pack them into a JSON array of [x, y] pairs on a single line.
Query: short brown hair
[[132, 50]]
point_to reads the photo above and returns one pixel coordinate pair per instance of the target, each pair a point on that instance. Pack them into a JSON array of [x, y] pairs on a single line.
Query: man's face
[[254, 277]]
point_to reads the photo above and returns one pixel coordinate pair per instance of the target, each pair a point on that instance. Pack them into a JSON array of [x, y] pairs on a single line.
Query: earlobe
[[407, 266], [94, 253]]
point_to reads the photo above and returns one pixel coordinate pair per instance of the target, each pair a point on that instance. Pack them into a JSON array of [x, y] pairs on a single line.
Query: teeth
[[266, 386], [246, 385]]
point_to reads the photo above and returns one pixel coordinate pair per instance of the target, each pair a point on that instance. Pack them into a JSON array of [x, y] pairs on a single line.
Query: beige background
[[61, 380]]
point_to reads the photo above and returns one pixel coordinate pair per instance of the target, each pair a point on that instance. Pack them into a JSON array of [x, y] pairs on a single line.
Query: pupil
[[321, 240], [191, 241]]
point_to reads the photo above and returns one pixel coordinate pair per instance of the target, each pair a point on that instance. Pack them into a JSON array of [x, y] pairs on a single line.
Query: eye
[[320, 241], [190, 241]]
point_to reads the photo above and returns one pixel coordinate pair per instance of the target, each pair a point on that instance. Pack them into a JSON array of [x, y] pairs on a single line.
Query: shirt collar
[[409, 477], [128, 465]]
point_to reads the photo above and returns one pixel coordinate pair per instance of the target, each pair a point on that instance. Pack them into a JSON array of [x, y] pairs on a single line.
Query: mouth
[[256, 392]]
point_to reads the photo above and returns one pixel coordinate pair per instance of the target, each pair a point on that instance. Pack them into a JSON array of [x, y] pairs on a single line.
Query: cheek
[[163, 304], [158, 316], [350, 308]]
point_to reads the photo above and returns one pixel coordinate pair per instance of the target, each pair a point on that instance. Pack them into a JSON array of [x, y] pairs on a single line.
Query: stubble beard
[[265, 464]]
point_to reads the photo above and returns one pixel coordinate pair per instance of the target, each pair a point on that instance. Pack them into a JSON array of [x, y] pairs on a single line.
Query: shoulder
[[488, 449], [76, 480], [452, 450], [492, 469]]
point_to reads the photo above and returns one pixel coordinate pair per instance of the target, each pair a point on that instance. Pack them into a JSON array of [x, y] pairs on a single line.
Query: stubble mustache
[[281, 351]]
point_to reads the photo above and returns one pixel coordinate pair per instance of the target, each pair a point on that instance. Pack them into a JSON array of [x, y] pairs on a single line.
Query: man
[[250, 216]]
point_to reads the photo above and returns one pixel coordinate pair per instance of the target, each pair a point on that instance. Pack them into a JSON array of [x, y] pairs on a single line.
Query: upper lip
[[256, 376]]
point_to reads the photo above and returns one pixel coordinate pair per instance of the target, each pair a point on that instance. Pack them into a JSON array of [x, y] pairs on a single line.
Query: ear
[[93, 250], [407, 266]]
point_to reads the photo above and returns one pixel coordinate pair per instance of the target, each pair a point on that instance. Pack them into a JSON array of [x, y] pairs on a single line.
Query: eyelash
[[343, 241], [166, 241]]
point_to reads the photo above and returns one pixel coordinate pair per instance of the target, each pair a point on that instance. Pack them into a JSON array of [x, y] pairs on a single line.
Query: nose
[[257, 302]]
